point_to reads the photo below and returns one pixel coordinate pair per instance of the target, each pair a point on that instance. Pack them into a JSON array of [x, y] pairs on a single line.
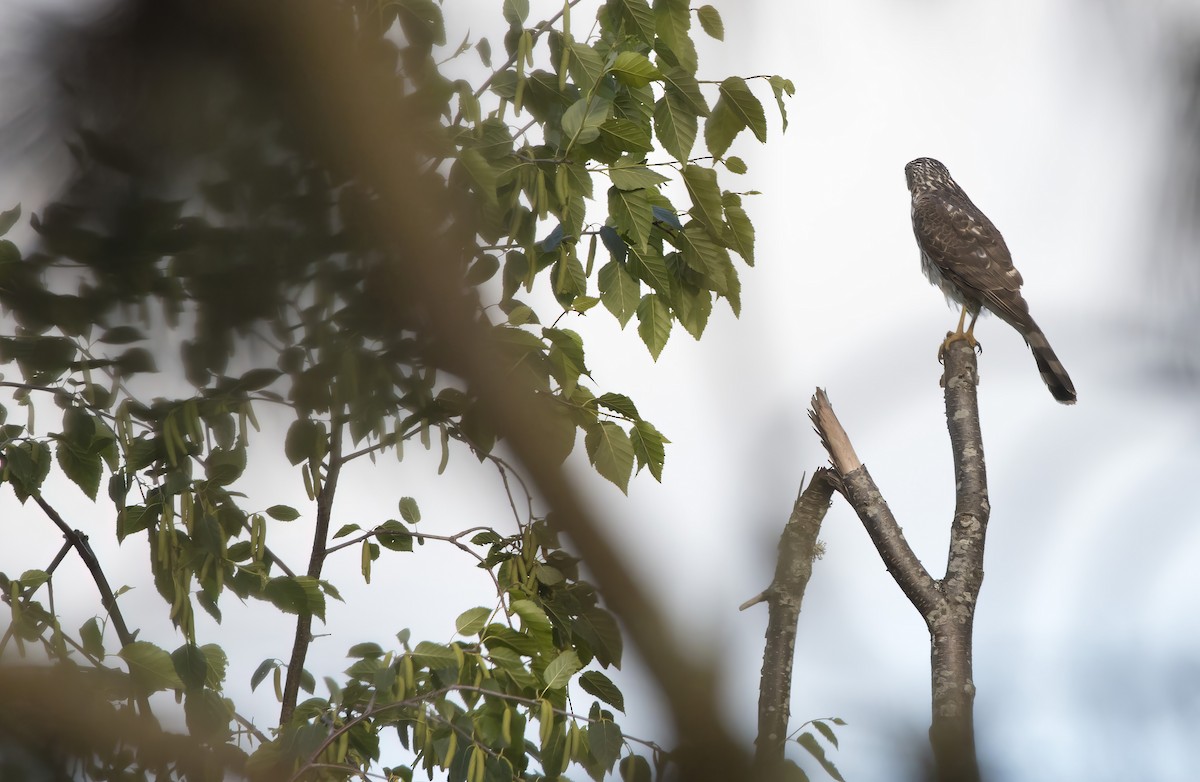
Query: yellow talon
[[958, 334]]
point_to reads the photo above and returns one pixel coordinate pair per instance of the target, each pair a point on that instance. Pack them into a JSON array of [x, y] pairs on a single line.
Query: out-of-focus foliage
[[205, 239]]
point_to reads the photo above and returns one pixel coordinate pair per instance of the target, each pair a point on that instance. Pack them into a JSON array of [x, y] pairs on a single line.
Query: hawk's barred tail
[[1053, 373]]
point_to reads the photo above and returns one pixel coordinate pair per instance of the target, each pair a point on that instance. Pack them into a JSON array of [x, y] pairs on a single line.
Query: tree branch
[[859, 489], [304, 636], [797, 551], [79, 542]]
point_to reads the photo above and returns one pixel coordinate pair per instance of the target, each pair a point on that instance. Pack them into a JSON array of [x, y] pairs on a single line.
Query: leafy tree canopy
[[207, 238]]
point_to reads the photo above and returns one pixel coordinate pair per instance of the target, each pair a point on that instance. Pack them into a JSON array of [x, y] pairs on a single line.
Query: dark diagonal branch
[[79, 542], [316, 561], [860, 491], [797, 551]]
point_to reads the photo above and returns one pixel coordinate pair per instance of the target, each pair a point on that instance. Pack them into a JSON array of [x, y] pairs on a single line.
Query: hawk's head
[[926, 174]]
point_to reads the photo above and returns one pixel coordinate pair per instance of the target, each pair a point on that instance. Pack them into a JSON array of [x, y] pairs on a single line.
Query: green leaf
[[619, 291], [710, 21], [601, 686], [634, 68], [472, 620], [92, 638], [516, 12], [781, 86], [260, 673], [586, 67], [825, 731], [409, 510], [9, 218], [683, 87], [367, 649], [605, 742], [638, 18], [207, 716], [809, 742], [82, 468], [635, 177], [217, 663], [739, 235], [582, 120], [433, 656], [736, 108], [707, 257], [283, 513], [626, 135], [346, 529], [560, 670], [394, 536], [735, 165], [635, 768], [610, 451], [191, 666], [675, 127], [121, 335], [600, 630], [651, 267], [631, 214], [480, 172], [298, 595], [534, 621], [305, 440], [654, 323], [619, 403], [648, 447], [701, 184], [151, 667]]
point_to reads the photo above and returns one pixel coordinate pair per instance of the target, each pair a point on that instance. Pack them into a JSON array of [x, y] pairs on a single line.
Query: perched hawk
[[963, 254]]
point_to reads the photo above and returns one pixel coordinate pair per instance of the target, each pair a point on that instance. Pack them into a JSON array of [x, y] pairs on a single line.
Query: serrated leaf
[[627, 135], [630, 210], [638, 18], [84, 469], [664, 215], [610, 451], [635, 177], [710, 22], [601, 686], [218, 661], [619, 291], [582, 120], [346, 529], [701, 184], [707, 257], [675, 127], [809, 742], [736, 108], [409, 511], [614, 243], [534, 621], [560, 670], [600, 630], [635, 69], [735, 165], [190, 665], [480, 172], [150, 666], [648, 447], [619, 403], [472, 620], [283, 513], [825, 731], [654, 323], [650, 267], [781, 86], [685, 89], [739, 235]]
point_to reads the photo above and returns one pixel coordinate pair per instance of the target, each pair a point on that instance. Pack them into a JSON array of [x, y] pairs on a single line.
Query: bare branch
[[797, 550]]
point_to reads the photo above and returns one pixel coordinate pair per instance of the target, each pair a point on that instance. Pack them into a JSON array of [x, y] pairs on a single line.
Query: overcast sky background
[[1061, 119]]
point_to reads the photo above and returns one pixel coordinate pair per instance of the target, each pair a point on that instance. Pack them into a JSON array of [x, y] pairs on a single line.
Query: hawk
[[963, 254]]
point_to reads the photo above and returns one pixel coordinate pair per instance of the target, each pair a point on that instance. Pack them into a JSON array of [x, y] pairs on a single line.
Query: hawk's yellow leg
[[959, 334]]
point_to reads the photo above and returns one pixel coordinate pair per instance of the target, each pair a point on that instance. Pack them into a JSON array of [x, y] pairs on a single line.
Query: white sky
[[1053, 116]]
